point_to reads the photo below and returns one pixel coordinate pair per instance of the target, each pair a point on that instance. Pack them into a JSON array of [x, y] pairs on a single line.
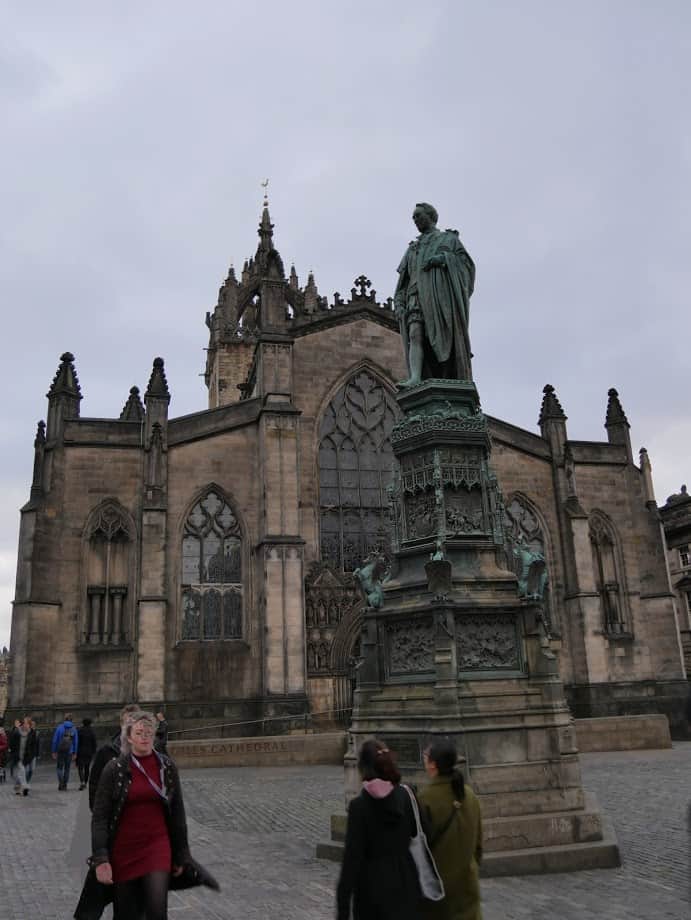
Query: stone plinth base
[[529, 844]]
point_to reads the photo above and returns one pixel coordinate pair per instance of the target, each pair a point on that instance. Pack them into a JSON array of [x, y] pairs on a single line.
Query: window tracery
[[608, 575], [523, 530], [109, 546], [211, 571], [355, 462]]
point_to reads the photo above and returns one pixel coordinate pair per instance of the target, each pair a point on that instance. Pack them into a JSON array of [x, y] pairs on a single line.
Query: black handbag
[[192, 875]]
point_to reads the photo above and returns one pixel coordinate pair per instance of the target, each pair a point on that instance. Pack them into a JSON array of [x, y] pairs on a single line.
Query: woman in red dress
[[138, 829]]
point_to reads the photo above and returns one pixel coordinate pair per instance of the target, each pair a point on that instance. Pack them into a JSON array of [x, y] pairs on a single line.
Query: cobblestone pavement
[[256, 831]]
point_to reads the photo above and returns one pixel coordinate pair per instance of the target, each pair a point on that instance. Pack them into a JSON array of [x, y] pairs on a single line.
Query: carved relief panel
[[487, 642], [409, 647]]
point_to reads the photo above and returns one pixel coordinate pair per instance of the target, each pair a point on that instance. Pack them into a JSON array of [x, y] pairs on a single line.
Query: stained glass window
[[355, 462], [211, 571]]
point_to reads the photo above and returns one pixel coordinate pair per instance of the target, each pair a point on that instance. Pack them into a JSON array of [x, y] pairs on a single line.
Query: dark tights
[[144, 898]]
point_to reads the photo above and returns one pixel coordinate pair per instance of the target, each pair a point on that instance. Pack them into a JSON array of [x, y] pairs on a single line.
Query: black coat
[[378, 872], [111, 796], [86, 747], [104, 755], [30, 750]]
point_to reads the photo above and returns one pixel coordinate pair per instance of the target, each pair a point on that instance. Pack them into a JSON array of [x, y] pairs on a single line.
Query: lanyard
[[154, 785]]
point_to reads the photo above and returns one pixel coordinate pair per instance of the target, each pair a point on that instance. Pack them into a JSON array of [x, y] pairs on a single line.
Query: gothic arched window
[[109, 547], [523, 528], [211, 571], [607, 566], [355, 460]]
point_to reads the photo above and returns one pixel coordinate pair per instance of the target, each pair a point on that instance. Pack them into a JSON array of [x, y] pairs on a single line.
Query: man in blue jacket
[[64, 749]]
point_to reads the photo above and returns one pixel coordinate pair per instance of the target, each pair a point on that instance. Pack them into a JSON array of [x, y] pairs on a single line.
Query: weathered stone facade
[[205, 562], [676, 520]]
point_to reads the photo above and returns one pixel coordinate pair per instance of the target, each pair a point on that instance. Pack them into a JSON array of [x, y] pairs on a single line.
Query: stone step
[[520, 832], [602, 853]]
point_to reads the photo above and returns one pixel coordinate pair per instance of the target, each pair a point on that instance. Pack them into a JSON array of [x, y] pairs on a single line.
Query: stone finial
[[133, 410], [615, 412], [66, 380], [551, 407], [362, 290], [158, 385], [645, 460], [40, 438], [293, 279]]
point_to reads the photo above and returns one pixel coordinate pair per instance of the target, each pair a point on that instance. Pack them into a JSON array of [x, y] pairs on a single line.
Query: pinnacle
[[551, 407], [266, 229], [158, 385], [66, 380], [615, 412], [133, 410]]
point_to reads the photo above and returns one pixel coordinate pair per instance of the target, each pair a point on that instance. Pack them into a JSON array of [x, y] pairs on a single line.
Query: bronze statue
[[436, 279]]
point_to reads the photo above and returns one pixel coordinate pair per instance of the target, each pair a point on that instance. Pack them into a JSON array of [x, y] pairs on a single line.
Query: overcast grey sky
[[555, 136]]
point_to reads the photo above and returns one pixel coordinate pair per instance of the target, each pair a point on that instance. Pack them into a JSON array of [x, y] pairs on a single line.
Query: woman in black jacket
[[23, 747], [378, 872], [138, 827]]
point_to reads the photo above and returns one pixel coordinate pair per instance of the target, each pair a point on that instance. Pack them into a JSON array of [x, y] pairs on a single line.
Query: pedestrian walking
[[37, 753], [64, 749], [378, 873], [161, 733], [4, 747], [109, 751], [23, 751], [12, 738], [86, 748], [139, 830], [454, 833]]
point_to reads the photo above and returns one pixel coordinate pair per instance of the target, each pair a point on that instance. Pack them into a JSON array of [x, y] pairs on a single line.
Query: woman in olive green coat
[[454, 833]]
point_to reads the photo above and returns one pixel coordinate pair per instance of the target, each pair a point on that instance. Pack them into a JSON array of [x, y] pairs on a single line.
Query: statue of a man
[[436, 279]]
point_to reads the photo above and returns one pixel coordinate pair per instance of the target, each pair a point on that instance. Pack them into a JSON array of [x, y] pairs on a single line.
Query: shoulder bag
[[431, 884]]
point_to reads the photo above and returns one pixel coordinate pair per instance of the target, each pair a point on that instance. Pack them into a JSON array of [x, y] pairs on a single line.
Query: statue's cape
[[443, 293]]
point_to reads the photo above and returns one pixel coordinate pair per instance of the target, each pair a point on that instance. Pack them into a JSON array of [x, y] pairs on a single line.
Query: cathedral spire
[[158, 385], [133, 410], [266, 228]]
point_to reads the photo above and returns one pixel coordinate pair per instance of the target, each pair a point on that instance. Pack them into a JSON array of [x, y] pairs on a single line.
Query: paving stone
[[256, 831]]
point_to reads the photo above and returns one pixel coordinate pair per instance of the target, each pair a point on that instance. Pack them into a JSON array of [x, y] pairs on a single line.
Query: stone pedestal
[[455, 650]]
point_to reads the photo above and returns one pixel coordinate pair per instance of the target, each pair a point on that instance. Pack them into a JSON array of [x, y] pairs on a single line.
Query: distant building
[[676, 520], [205, 563]]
